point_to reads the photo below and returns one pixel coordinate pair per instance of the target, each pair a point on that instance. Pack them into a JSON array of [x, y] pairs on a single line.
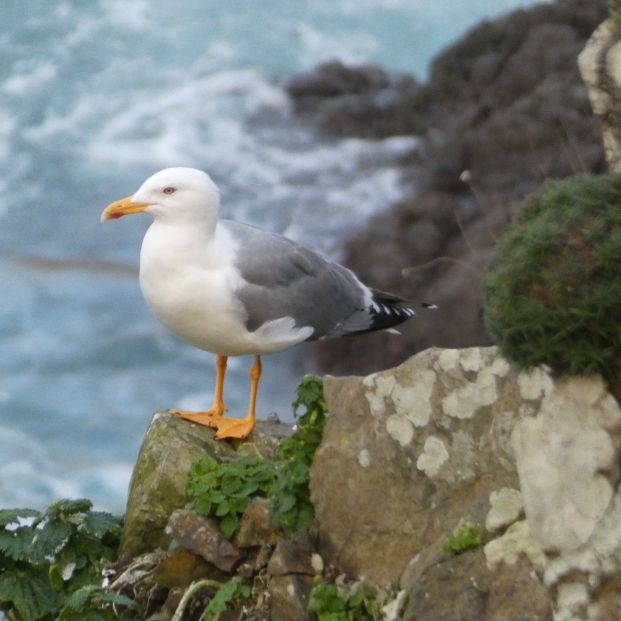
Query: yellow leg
[[209, 417], [242, 427]]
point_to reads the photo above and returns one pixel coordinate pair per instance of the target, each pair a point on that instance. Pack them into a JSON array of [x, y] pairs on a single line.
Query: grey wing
[[283, 279]]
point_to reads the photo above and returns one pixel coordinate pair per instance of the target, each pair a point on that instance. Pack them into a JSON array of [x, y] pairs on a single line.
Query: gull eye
[[169, 190]]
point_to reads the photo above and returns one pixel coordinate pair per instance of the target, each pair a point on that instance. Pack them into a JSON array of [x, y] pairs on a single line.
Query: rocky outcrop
[[450, 442], [599, 66], [459, 435], [503, 110], [158, 481]]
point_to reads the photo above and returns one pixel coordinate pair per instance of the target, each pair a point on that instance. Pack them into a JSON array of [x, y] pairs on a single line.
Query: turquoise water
[[94, 97]]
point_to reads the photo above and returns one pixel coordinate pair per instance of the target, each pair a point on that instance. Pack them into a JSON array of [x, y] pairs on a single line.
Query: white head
[[176, 195]]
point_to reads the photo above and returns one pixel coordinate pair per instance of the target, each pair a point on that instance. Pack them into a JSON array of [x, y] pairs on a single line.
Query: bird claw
[[233, 428], [209, 418]]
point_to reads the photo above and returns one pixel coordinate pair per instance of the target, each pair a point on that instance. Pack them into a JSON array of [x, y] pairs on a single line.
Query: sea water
[[94, 97]]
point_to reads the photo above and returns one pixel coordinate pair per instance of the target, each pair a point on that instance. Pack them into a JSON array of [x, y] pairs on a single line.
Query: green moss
[[554, 293], [466, 536]]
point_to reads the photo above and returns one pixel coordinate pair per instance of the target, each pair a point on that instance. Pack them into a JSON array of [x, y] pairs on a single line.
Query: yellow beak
[[121, 208]]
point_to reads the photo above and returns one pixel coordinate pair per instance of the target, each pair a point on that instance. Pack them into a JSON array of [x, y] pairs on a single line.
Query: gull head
[[179, 195]]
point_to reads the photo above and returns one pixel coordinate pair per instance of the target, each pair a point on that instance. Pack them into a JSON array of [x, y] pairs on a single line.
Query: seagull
[[233, 289]]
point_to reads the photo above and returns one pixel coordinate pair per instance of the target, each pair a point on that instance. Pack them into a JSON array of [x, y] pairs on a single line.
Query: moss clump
[[466, 536], [554, 293]]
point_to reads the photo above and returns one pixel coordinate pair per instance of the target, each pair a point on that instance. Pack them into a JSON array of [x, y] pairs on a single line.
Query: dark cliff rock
[[504, 109]]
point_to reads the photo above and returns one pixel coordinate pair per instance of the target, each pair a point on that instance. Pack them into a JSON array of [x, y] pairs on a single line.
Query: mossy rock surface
[[554, 293], [158, 482]]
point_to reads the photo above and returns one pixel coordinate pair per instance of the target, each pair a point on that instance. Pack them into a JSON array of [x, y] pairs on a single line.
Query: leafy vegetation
[[466, 536], [291, 506], [228, 593], [224, 490], [554, 293], [51, 561], [330, 602]]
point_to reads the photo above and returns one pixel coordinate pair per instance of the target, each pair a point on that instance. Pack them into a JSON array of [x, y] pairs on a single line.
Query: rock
[[456, 435], [363, 101], [462, 587], [291, 574], [491, 130], [430, 439], [202, 536], [288, 598], [568, 460], [157, 487], [293, 556], [255, 526], [506, 507], [517, 542], [180, 569], [599, 64]]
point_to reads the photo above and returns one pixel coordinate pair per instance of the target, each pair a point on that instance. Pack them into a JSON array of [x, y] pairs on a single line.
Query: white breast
[[188, 282]]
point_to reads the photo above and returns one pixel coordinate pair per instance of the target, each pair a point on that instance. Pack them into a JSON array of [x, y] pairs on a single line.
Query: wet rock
[[202, 536], [255, 526]]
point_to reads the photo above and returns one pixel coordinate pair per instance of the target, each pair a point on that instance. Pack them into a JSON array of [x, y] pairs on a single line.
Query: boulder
[[157, 486], [201, 535], [451, 436], [410, 452]]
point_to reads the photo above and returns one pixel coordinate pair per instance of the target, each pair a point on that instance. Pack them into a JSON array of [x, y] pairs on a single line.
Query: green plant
[[51, 561], [228, 593], [466, 536], [339, 603], [291, 505], [224, 490], [554, 293]]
